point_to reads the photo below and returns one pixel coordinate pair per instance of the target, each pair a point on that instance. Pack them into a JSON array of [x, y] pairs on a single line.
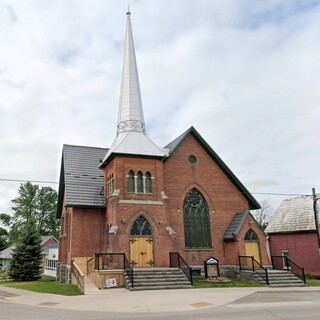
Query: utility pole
[[315, 210]]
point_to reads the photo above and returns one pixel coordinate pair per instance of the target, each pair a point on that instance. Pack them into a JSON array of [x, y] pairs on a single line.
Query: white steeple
[[130, 117], [131, 134]]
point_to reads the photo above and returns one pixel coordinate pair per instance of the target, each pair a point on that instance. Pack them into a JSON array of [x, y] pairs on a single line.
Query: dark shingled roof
[[173, 146], [235, 225], [80, 177]]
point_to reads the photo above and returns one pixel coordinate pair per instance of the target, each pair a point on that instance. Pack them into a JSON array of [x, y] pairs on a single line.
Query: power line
[[21, 180], [88, 183]]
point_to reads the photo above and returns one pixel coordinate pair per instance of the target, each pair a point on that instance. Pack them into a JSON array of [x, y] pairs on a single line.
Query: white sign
[[212, 261], [111, 283]]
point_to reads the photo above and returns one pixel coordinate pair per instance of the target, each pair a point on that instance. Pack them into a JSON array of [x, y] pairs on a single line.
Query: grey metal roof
[[235, 225], [80, 177], [7, 253], [293, 215]]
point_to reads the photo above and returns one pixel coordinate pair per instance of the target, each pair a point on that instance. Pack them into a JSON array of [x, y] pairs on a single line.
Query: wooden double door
[[141, 252], [141, 244]]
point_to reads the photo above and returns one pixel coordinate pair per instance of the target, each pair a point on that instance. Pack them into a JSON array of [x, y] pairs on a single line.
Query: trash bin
[[211, 268]]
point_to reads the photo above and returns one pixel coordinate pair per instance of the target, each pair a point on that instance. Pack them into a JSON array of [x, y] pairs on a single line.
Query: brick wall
[[223, 199], [87, 232]]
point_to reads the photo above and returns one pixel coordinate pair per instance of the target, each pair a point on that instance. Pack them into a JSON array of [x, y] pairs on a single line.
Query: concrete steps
[[281, 278], [158, 279]]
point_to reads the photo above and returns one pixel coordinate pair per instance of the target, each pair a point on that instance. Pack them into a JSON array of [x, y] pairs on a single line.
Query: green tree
[[3, 238], [37, 203], [26, 257], [4, 235]]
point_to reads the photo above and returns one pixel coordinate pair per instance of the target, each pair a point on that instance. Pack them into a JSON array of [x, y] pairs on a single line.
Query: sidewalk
[[123, 300]]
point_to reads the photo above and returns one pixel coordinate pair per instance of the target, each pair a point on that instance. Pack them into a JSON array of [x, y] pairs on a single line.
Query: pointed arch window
[[131, 181], [148, 183], [141, 227], [196, 220], [251, 236], [139, 182]]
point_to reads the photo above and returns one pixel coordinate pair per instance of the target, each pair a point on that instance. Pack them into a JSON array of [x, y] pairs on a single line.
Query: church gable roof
[[293, 215], [81, 180], [174, 145]]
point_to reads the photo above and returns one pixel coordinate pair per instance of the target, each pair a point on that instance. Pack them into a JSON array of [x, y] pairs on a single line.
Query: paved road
[[264, 305]]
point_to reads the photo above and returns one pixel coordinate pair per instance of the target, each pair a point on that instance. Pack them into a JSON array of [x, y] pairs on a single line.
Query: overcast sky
[[245, 74]]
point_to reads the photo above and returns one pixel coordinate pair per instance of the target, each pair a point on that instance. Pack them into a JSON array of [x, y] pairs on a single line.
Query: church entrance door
[[252, 247], [141, 244]]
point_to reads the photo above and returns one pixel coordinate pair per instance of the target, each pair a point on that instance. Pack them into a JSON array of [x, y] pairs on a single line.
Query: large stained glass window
[[196, 219]]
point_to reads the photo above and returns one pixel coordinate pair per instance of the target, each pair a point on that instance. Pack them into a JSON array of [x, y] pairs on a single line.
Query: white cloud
[[245, 74]]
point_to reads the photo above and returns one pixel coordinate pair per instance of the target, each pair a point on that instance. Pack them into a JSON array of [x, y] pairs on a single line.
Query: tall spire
[[130, 117], [131, 136]]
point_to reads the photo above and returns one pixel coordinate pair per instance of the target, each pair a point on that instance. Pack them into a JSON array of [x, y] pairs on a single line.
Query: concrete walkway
[[122, 300]]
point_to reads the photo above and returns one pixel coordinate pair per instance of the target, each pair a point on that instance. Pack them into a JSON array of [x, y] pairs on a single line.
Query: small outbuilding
[[292, 233]]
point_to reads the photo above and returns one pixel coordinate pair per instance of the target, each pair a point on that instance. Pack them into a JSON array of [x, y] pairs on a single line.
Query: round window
[[192, 159]]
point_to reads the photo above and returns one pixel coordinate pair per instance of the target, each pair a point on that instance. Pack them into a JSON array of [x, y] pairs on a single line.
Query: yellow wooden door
[[141, 252], [252, 249]]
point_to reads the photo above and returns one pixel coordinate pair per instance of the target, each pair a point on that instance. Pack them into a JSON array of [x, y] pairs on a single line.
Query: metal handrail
[[111, 261], [129, 270], [290, 266], [253, 262], [176, 261]]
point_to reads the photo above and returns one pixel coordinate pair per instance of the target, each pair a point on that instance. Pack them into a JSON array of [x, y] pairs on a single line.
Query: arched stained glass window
[[131, 181], [148, 183], [139, 182], [251, 236], [196, 219], [141, 227]]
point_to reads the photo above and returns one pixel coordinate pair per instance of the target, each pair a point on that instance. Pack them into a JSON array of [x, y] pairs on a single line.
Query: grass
[[199, 283], [313, 282], [45, 284]]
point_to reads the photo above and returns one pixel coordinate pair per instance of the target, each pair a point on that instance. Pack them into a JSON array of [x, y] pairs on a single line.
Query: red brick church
[[146, 201]]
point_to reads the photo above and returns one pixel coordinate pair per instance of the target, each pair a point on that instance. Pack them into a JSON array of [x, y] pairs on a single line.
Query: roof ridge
[[76, 145]]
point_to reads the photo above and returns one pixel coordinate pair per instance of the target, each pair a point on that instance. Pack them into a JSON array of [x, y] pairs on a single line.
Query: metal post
[[239, 262], [287, 262], [315, 210], [252, 264], [304, 276], [272, 262]]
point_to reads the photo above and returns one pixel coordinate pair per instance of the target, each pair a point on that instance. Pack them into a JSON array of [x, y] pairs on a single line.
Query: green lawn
[[199, 282], [44, 285], [313, 282]]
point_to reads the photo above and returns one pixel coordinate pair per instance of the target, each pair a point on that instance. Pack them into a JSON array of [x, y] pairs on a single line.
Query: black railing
[[284, 263], [129, 270], [176, 261], [112, 261], [250, 263], [109, 261]]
